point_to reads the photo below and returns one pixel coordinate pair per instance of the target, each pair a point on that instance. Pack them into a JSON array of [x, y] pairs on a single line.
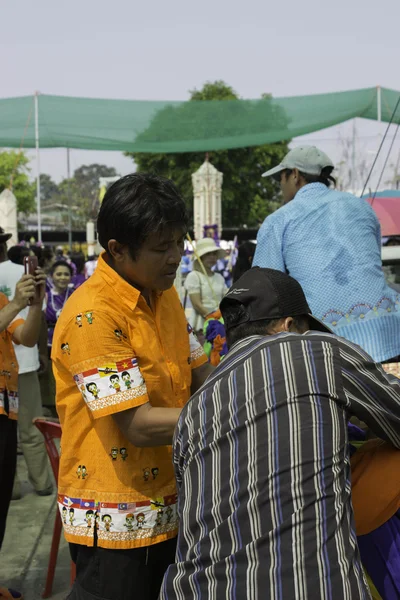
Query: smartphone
[[30, 266]]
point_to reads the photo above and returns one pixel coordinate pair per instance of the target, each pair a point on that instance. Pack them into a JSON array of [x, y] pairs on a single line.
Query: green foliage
[[80, 192], [23, 189], [246, 197], [86, 185], [48, 189]]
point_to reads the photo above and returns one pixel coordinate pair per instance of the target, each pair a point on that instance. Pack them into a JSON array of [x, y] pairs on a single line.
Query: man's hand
[[24, 291], [40, 282]]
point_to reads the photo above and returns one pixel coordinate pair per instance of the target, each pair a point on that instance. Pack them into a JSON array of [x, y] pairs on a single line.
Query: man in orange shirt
[[125, 363], [14, 329]]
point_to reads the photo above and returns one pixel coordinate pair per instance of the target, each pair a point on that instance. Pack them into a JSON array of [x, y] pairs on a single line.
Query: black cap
[[4, 237], [268, 294]]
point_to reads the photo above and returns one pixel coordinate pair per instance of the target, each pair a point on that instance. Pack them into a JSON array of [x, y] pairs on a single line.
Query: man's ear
[[117, 250], [296, 175], [288, 324]]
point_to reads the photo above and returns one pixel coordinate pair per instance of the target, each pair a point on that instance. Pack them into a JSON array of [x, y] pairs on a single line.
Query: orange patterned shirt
[[111, 352], [8, 366]]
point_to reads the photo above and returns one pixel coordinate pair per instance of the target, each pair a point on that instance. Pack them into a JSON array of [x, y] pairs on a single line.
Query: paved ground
[[25, 553]]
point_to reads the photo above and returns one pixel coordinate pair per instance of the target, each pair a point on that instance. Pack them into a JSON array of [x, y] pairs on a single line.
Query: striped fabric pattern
[[263, 470]]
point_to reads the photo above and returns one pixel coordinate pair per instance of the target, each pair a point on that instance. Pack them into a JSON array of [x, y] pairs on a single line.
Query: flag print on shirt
[[111, 383]]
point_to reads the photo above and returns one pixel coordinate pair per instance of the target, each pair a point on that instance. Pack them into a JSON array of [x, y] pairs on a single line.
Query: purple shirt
[[54, 305]]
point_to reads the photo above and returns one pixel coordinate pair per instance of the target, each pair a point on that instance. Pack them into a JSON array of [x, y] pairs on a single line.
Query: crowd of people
[[264, 467]]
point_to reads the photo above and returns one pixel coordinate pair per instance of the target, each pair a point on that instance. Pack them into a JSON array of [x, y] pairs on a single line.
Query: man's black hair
[[125, 373], [17, 253], [78, 258], [325, 177], [244, 259], [137, 205], [265, 327], [61, 263], [115, 376]]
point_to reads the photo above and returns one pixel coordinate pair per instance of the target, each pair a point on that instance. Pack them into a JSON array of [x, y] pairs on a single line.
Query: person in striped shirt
[[261, 454]]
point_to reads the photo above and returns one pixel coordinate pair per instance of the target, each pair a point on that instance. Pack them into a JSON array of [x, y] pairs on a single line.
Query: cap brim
[[273, 171], [317, 325]]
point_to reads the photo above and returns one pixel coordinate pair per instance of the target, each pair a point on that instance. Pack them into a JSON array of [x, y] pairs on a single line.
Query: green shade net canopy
[[190, 126]]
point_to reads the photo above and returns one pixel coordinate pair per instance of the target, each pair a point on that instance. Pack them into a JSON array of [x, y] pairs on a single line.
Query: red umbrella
[[387, 208]]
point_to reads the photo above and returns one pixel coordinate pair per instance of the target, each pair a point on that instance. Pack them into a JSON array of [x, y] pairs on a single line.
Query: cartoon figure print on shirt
[[126, 378], [146, 473], [114, 453], [119, 334], [78, 320], [168, 514], [65, 349], [114, 381], [64, 514], [93, 389], [89, 317], [109, 378], [89, 518], [107, 520], [141, 519], [129, 519], [124, 453]]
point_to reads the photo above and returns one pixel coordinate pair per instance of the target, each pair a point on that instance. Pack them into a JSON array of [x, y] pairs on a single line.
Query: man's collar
[[126, 292], [310, 186], [241, 344]]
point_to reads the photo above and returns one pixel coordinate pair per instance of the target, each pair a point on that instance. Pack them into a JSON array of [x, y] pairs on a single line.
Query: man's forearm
[[31, 328], [147, 425], [7, 314]]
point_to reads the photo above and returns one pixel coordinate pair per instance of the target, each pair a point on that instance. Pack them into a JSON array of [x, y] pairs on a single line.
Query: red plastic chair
[[51, 430]]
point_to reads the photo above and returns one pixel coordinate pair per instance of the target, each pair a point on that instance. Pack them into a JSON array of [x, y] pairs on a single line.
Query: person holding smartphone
[[29, 289], [30, 399]]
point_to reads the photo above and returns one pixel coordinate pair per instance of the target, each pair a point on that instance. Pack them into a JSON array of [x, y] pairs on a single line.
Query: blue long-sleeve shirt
[[330, 242]]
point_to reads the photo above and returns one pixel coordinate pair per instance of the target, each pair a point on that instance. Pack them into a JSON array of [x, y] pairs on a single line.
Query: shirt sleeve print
[[103, 364]]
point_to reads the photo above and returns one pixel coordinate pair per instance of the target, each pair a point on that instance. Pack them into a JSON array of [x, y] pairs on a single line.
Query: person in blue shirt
[[330, 241]]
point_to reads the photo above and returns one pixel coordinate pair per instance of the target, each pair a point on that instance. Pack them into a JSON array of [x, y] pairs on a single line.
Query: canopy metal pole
[[69, 201], [353, 159], [38, 202], [379, 102]]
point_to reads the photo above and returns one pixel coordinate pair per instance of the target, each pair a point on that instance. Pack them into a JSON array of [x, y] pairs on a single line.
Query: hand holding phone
[[30, 266]]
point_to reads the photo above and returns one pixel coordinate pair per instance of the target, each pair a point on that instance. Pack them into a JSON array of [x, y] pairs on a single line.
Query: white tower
[[207, 187], [8, 218]]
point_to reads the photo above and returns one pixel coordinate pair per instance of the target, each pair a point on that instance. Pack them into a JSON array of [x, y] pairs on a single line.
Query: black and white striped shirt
[[263, 470]]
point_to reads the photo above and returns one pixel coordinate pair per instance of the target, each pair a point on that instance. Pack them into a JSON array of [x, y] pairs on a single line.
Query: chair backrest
[[50, 432]]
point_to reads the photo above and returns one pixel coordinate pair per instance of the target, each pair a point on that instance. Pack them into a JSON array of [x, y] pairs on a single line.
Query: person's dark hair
[[17, 253], [245, 256], [37, 251], [114, 377], [325, 177], [78, 258], [60, 263], [237, 311], [137, 205], [47, 255]]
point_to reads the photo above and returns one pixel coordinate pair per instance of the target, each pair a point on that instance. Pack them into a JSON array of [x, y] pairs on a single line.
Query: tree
[[15, 165], [246, 197], [48, 189], [87, 182], [81, 192]]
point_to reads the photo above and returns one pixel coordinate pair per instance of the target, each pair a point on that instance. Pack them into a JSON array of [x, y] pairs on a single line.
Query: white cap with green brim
[[307, 159]]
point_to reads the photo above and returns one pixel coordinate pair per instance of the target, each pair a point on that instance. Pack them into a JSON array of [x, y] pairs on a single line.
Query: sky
[[161, 50]]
